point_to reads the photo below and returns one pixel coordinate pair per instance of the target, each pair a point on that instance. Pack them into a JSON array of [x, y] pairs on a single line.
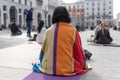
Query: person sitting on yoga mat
[[41, 32], [14, 29], [39, 37], [103, 35], [62, 52]]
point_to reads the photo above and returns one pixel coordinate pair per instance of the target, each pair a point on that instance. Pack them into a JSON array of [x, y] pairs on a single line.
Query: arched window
[[13, 13]]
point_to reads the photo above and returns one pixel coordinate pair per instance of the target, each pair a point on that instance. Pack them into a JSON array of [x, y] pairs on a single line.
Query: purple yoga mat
[[40, 76]]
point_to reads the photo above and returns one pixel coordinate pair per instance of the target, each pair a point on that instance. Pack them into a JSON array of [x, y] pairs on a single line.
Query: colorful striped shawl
[[62, 52]]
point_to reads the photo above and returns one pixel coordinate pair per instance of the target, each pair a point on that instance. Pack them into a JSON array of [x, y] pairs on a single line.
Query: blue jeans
[[29, 25], [17, 33]]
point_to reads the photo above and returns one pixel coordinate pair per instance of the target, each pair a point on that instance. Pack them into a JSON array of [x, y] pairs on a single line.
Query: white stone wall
[[117, 21], [38, 9], [1, 1], [8, 4]]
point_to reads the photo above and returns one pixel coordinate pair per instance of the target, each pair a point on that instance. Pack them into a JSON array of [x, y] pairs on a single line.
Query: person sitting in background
[[115, 28], [14, 29], [41, 32], [77, 27], [103, 35], [119, 28], [92, 37], [39, 37]]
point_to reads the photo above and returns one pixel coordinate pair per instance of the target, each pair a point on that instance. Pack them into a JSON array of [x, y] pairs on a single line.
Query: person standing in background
[[29, 19]]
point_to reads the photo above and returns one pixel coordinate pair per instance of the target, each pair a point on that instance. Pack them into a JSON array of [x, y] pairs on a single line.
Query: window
[[40, 2], [87, 23], [92, 9], [104, 9], [30, 3], [93, 17], [109, 2], [104, 13], [110, 12], [103, 17], [12, 0], [98, 4], [98, 17], [92, 13], [87, 3], [82, 5], [110, 7], [87, 13], [92, 24], [74, 7], [20, 10], [87, 8], [19, 1], [25, 2], [98, 14], [98, 8], [4, 8], [78, 15], [104, 4], [92, 4], [69, 7], [110, 17]]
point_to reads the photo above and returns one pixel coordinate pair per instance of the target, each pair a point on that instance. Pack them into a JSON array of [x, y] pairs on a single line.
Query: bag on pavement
[[87, 54]]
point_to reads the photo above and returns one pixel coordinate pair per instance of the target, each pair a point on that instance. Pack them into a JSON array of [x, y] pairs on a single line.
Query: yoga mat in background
[[40, 76], [112, 45], [107, 45]]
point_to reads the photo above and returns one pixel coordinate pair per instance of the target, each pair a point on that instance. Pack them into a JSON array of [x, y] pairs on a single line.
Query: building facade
[[117, 21], [96, 10], [93, 11], [16, 10], [76, 11]]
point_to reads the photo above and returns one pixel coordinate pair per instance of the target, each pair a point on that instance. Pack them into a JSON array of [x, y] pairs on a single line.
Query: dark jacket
[[77, 27], [103, 38], [29, 16], [14, 28]]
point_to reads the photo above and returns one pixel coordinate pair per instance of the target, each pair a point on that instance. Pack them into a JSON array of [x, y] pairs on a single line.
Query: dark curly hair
[[60, 14], [41, 23]]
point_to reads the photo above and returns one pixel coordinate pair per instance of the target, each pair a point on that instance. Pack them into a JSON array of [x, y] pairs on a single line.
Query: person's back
[[58, 51], [62, 53], [13, 28], [77, 27], [103, 38], [29, 16], [40, 36], [103, 35]]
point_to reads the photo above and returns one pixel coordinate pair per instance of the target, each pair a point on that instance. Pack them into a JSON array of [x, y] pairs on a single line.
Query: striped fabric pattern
[[59, 57]]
